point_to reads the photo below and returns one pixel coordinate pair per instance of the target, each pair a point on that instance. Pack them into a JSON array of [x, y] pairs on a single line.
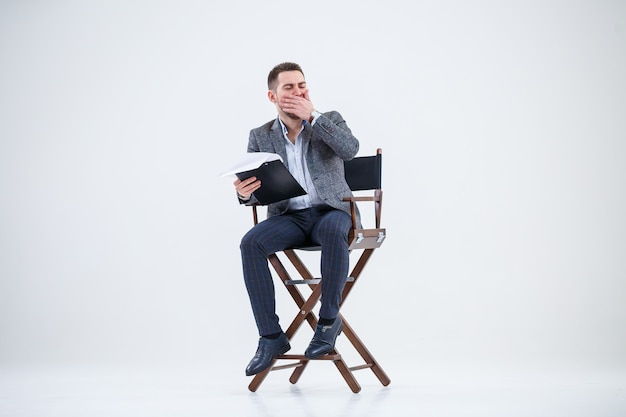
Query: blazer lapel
[[306, 139], [278, 141], [306, 144]]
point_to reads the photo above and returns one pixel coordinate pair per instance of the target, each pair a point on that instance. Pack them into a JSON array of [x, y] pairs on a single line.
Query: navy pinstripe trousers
[[319, 225]]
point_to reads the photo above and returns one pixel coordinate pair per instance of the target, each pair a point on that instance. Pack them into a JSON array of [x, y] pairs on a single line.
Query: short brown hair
[[285, 66]]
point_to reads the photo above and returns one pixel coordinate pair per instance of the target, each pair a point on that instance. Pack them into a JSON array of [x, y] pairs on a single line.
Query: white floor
[[93, 392]]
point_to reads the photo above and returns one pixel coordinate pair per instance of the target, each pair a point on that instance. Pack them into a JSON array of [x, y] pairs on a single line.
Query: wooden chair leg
[[297, 373], [368, 358], [346, 372], [259, 378]]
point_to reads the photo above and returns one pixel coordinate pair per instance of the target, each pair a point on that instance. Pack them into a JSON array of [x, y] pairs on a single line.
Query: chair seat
[[309, 248]]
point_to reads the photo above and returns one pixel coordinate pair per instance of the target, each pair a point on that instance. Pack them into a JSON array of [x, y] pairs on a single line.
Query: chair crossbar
[[364, 366], [313, 281], [287, 366]]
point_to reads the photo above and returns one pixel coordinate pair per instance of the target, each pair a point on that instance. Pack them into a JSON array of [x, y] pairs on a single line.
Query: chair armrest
[[377, 199], [355, 199], [366, 238]]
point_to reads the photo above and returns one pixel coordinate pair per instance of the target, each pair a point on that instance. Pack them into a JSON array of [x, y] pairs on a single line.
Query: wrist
[[314, 115]]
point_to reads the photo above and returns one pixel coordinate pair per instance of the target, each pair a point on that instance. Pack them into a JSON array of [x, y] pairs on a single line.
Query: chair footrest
[[313, 281], [304, 358]]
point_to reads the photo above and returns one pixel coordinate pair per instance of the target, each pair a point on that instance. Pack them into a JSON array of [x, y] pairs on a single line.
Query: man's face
[[289, 83]]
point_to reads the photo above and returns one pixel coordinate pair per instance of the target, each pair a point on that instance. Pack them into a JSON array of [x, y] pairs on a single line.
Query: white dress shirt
[[298, 168]]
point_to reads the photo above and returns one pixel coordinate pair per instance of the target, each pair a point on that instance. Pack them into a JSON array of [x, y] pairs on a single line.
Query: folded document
[[277, 183]]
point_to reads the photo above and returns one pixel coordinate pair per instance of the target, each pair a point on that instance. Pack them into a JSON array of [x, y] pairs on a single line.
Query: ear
[[271, 95]]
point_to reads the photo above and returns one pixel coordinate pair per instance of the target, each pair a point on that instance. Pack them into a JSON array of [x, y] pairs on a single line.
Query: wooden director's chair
[[362, 174]]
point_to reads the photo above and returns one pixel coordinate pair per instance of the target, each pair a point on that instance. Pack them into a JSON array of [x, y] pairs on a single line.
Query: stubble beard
[[292, 116]]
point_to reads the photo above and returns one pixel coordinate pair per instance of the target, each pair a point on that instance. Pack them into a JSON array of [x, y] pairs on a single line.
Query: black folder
[[277, 183]]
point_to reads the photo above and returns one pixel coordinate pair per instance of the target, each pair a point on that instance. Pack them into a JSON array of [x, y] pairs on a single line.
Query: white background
[[503, 128]]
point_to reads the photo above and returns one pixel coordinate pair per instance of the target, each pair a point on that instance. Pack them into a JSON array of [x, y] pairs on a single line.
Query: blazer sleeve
[[334, 131]]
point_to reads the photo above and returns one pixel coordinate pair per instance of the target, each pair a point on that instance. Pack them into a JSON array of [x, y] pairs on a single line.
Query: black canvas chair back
[[364, 172]]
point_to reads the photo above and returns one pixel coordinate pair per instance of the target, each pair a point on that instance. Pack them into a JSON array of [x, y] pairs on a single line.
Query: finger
[[251, 187], [248, 181]]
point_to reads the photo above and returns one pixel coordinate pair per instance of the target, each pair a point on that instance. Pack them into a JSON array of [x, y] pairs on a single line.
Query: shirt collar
[[284, 128]]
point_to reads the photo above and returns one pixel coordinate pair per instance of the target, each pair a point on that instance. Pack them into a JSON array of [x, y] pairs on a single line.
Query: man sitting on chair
[[313, 146]]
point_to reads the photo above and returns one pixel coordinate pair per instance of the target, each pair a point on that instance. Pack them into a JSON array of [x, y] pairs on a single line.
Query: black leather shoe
[[324, 339], [266, 352]]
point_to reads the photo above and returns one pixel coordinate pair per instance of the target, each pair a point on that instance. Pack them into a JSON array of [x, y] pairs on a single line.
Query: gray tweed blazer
[[326, 145]]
